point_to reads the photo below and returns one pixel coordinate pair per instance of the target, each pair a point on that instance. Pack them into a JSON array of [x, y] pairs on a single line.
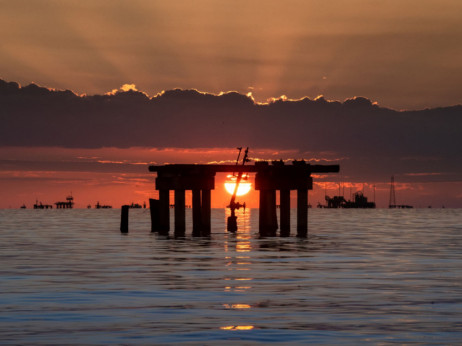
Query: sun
[[243, 188]]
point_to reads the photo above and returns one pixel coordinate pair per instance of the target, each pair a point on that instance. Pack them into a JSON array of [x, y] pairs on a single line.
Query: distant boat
[[38, 205], [100, 206]]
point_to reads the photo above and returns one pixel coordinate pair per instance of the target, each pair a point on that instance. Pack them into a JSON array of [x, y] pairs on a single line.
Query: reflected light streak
[[236, 306], [237, 327], [238, 262]]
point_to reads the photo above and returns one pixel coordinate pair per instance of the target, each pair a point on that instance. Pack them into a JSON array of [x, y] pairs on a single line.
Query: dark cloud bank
[[374, 139]]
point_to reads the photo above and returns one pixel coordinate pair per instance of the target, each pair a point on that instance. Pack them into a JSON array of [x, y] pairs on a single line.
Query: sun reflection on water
[[236, 306], [237, 248], [237, 327]]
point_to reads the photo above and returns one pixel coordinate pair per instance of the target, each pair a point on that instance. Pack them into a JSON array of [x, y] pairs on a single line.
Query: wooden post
[[164, 212], [206, 210], [284, 209], [196, 213], [302, 213], [124, 219], [180, 213]]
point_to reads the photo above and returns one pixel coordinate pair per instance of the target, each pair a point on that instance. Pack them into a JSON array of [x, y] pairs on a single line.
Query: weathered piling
[[124, 219], [164, 211], [206, 210], [154, 207], [302, 213], [180, 213], [284, 212], [197, 213]]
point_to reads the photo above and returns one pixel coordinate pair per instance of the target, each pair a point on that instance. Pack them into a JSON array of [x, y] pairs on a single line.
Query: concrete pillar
[[124, 219], [284, 209], [302, 213], [267, 213], [206, 210], [273, 218], [180, 213], [164, 212], [154, 207], [262, 213], [196, 213]]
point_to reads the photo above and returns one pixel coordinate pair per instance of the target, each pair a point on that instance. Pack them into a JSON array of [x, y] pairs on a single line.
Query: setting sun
[[243, 188]]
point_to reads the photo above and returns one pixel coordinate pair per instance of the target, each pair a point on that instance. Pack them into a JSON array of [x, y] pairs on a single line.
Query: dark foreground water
[[362, 276]]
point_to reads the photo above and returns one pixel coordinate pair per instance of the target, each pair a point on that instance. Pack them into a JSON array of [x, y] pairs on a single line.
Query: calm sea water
[[362, 276]]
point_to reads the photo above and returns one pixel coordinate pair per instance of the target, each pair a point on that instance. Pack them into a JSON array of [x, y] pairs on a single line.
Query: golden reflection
[[243, 247], [236, 306], [237, 248], [237, 327]]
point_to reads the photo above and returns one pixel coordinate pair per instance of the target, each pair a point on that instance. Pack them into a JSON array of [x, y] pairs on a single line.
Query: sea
[[376, 276]]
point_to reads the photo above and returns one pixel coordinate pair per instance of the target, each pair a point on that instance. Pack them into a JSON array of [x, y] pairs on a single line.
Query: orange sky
[[404, 54], [120, 176]]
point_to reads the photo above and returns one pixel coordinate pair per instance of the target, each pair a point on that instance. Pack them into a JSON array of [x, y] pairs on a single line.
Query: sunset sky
[[395, 55]]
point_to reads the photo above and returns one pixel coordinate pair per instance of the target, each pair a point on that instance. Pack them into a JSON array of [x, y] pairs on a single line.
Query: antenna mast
[[392, 201]]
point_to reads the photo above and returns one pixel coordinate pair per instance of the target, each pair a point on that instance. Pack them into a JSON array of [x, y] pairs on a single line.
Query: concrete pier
[[164, 212], [197, 213], [180, 213], [154, 207], [269, 179], [206, 211], [284, 212], [124, 219], [302, 213]]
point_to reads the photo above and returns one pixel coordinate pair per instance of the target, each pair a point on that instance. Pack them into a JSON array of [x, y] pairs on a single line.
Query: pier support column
[[154, 208], [262, 213], [196, 213], [206, 210], [124, 219], [273, 214], [164, 212], [180, 213], [267, 213], [302, 213], [284, 209]]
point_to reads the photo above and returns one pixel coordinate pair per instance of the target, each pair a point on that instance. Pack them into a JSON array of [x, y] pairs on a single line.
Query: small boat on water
[[102, 206]]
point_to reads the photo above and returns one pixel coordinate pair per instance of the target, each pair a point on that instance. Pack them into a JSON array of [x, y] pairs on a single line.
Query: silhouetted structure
[[233, 205], [392, 201], [69, 204], [124, 219], [360, 201], [102, 206], [269, 178], [38, 205]]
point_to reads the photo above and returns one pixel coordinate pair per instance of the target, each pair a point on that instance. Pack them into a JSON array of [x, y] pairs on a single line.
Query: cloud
[[375, 139]]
